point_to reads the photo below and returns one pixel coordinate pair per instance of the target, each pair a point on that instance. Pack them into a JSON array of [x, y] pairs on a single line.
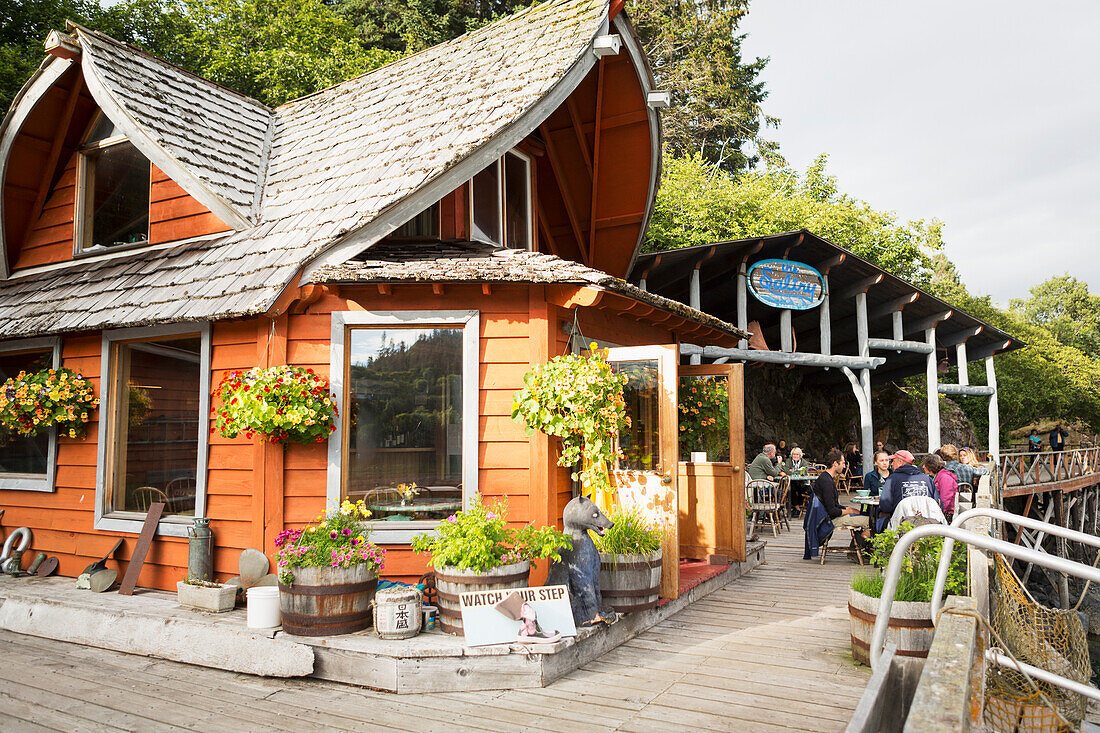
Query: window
[[424, 225], [153, 413], [408, 385], [26, 462], [113, 201], [500, 202]]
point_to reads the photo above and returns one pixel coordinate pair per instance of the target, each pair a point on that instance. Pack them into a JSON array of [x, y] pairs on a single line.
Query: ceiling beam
[[923, 324], [567, 198], [892, 306], [959, 337], [982, 352], [860, 286], [582, 141], [595, 163]]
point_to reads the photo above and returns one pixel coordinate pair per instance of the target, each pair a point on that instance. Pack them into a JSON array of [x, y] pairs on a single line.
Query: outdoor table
[[802, 486], [867, 506], [420, 507]]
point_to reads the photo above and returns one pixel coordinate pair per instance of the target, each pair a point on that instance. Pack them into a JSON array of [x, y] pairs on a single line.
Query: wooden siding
[[173, 215]]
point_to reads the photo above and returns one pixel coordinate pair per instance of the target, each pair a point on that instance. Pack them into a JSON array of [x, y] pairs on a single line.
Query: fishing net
[[1051, 639]]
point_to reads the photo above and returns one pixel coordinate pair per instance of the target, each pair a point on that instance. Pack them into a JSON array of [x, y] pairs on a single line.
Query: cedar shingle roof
[[338, 160], [474, 262]]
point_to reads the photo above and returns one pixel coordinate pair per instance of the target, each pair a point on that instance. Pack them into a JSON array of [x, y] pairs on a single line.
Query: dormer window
[[500, 202], [113, 191]]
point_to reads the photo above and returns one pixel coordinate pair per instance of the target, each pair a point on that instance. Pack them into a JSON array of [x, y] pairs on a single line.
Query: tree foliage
[[700, 203], [1066, 308]]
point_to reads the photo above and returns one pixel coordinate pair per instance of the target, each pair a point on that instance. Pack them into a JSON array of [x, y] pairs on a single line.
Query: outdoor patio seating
[[764, 503], [852, 547]]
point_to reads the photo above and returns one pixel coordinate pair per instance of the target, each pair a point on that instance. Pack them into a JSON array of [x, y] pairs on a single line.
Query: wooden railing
[[1022, 473]]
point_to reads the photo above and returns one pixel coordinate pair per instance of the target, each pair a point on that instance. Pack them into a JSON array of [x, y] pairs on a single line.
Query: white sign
[[483, 624]]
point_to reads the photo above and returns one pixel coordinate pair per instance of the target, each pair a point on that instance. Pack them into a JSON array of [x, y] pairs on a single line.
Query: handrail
[[949, 543], [893, 569], [1041, 467]]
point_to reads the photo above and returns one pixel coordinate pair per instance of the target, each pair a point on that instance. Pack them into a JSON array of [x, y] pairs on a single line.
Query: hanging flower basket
[[281, 404], [33, 403], [579, 398]]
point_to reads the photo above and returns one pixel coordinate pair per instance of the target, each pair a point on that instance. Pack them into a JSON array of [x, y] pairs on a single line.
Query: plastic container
[[263, 607]]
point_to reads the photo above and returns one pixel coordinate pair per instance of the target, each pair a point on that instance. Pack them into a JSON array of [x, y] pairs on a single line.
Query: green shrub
[[918, 573], [630, 534]]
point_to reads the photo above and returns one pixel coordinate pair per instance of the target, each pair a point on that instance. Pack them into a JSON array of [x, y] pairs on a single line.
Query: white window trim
[[35, 481], [469, 322], [501, 187], [124, 521]]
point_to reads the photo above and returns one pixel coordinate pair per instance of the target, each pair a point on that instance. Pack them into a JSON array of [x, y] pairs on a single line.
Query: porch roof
[[475, 262], [669, 273]]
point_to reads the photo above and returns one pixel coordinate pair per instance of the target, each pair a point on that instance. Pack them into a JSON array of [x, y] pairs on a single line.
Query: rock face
[[786, 404]]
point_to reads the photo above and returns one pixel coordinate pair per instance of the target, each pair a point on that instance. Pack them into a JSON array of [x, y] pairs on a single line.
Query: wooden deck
[[769, 652]]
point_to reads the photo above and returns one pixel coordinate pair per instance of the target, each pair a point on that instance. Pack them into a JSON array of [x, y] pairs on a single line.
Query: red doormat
[[694, 572]]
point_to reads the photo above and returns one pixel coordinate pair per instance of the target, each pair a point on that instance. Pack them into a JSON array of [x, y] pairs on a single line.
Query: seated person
[[947, 483], [905, 481], [763, 467], [876, 479], [796, 465], [825, 490], [967, 474]]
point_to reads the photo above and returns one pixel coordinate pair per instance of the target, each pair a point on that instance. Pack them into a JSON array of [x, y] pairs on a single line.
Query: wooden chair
[[763, 497], [784, 491], [853, 546], [147, 495]]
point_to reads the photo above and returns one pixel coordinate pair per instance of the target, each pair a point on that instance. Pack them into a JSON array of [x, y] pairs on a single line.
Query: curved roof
[[337, 171]]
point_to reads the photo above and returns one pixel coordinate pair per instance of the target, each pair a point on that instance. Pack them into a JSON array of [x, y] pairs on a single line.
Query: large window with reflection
[[408, 438]]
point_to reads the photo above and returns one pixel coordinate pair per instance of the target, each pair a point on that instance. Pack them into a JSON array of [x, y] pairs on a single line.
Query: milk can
[[200, 550], [397, 612]]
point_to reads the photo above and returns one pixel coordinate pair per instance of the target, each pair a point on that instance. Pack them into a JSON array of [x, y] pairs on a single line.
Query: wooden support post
[[743, 303], [994, 414], [899, 327], [825, 324], [595, 164], [695, 300], [933, 383], [786, 335], [960, 359], [862, 332]]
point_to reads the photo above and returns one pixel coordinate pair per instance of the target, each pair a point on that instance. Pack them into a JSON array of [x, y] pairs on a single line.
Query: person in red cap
[[905, 481]]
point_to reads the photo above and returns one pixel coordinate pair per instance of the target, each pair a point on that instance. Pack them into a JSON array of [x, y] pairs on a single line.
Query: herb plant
[[280, 403], [918, 573], [338, 539], [579, 398], [31, 403], [480, 539], [630, 534]]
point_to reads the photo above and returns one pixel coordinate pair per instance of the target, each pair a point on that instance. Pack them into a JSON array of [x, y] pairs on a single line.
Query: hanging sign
[[785, 284]]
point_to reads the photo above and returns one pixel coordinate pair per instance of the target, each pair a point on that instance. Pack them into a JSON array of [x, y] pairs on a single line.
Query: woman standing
[[1034, 442]]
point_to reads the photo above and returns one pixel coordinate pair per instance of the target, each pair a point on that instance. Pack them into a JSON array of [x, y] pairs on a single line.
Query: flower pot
[[325, 601], [630, 582], [450, 583], [910, 626], [216, 599]]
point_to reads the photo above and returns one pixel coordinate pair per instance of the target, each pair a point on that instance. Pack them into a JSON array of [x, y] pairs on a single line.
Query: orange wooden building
[[421, 234]]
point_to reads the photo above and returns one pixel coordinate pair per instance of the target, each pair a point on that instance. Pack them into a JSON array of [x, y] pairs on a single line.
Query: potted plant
[[281, 404], [328, 573], [630, 562], [31, 403], [205, 595], [704, 417], [579, 398], [475, 550], [911, 614]]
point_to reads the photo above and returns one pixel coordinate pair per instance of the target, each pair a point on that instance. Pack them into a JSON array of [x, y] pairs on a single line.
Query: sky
[[983, 114]]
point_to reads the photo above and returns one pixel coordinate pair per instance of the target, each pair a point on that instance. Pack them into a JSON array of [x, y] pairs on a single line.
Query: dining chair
[[783, 494], [763, 499], [148, 495]]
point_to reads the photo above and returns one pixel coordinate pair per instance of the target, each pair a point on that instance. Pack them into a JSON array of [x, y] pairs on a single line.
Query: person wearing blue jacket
[[905, 481]]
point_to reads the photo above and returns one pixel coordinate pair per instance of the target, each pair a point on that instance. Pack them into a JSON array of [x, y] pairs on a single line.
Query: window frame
[[501, 211], [342, 324], [35, 481], [81, 214], [129, 521]]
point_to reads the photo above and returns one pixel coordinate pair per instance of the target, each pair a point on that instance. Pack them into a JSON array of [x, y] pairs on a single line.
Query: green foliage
[[340, 538], [699, 203], [579, 398], [1066, 308], [918, 573], [280, 403], [704, 416], [694, 49], [480, 539], [31, 403], [630, 534]]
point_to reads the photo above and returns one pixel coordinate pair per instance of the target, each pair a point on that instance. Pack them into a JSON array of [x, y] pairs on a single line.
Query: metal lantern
[[200, 550]]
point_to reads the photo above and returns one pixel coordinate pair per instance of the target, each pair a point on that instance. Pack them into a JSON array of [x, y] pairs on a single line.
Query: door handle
[[736, 469], [666, 479]]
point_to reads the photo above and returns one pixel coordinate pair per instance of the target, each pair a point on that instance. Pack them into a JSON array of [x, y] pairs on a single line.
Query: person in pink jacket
[[947, 483]]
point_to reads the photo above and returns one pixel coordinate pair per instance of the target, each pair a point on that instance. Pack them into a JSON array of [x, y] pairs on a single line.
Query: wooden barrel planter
[[910, 626], [327, 601], [630, 582], [450, 583]]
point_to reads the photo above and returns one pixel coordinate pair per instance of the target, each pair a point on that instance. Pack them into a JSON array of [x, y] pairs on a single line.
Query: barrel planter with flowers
[[630, 562], [476, 550], [328, 573]]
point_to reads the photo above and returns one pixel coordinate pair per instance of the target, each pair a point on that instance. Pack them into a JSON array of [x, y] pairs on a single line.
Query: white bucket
[[263, 607]]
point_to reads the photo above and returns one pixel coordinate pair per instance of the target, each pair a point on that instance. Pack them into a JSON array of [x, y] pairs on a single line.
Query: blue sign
[[785, 284]]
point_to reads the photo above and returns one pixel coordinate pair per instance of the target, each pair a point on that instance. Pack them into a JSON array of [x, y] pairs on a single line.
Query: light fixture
[[659, 100], [607, 45]]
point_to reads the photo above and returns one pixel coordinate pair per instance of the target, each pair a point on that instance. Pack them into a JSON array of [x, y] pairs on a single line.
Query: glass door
[[646, 476]]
